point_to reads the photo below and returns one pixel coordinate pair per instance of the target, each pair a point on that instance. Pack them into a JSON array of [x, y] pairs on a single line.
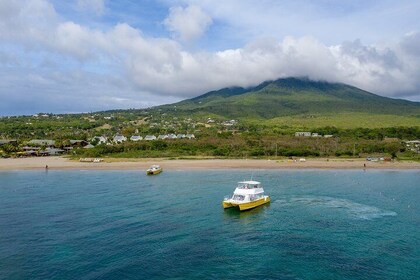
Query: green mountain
[[300, 98]]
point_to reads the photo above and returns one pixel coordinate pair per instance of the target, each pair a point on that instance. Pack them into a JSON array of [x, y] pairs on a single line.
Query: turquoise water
[[125, 225]]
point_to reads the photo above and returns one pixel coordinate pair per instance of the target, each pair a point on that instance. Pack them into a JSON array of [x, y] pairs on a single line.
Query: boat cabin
[[248, 191], [249, 185]]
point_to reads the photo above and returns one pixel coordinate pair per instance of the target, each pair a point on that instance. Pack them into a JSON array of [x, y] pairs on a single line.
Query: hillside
[[300, 98]]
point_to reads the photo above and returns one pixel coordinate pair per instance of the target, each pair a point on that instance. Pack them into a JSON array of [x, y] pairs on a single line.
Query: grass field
[[345, 120]]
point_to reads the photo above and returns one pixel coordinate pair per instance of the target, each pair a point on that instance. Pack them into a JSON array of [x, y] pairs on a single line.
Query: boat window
[[238, 197], [248, 186], [243, 186]]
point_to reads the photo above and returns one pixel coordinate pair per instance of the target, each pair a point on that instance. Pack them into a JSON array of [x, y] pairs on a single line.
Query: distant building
[[315, 135], [119, 138], [136, 138], [303, 134], [413, 145], [328, 136], [150, 137], [162, 137], [171, 136], [36, 142], [100, 139], [53, 151], [190, 136], [230, 123], [8, 141], [78, 143], [180, 136]]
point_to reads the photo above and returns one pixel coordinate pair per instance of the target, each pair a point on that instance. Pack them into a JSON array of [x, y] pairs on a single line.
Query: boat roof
[[249, 182], [154, 166]]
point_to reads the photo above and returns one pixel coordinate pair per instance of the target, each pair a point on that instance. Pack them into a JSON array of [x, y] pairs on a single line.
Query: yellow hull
[[246, 205], [226, 204], [153, 172]]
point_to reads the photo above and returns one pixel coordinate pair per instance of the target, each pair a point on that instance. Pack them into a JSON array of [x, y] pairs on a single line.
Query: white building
[[100, 139], [303, 134], [119, 138], [171, 136], [150, 137], [136, 138]]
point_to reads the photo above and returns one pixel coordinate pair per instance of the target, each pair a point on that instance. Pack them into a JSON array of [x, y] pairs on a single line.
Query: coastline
[[61, 163]]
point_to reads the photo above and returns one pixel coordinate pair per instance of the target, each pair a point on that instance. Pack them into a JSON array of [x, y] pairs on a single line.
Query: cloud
[[95, 6], [188, 23], [59, 65]]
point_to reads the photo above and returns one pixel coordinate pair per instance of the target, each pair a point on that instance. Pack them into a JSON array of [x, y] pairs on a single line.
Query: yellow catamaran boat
[[154, 169], [247, 195]]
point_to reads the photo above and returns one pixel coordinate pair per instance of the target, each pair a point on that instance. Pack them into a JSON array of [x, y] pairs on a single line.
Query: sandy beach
[[60, 163]]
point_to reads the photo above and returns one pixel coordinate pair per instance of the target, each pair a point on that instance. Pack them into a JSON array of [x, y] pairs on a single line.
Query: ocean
[[320, 224]]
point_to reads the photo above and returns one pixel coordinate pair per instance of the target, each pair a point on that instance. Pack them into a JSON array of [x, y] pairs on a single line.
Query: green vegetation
[[298, 97], [266, 119]]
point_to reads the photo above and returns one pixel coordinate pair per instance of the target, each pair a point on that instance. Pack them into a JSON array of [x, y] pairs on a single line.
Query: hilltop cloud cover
[[49, 62]]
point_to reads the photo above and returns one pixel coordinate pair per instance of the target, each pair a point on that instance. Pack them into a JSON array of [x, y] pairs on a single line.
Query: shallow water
[[125, 225]]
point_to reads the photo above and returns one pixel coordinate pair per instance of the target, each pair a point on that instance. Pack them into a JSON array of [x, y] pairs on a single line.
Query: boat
[[154, 169], [247, 195]]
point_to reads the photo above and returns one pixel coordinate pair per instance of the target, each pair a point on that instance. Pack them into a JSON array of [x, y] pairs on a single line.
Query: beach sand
[[60, 163]]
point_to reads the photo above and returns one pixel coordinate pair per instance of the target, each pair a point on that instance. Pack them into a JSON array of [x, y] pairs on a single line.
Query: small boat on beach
[[247, 195], [154, 169]]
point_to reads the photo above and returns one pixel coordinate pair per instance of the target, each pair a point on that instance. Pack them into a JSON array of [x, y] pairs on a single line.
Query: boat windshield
[[248, 186]]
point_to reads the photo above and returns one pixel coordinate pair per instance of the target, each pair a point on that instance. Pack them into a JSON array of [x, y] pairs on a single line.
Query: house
[[90, 146], [180, 136], [229, 123], [413, 145], [150, 137], [328, 136], [100, 140], [53, 151], [119, 138], [162, 137], [48, 143], [27, 148], [136, 138], [78, 143], [303, 134], [315, 135], [171, 136], [8, 141], [190, 136]]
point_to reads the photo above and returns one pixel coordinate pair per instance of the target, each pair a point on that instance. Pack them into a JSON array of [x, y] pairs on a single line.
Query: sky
[[70, 56]]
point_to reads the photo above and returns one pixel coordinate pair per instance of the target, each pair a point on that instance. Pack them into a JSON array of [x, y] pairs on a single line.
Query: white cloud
[[187, 23], [95, 6], [50, 61]]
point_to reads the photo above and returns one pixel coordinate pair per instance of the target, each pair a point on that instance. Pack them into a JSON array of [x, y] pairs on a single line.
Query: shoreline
[[61, 163]]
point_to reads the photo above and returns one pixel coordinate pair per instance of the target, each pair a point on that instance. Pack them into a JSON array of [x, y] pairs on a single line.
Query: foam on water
[[353, 209]]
